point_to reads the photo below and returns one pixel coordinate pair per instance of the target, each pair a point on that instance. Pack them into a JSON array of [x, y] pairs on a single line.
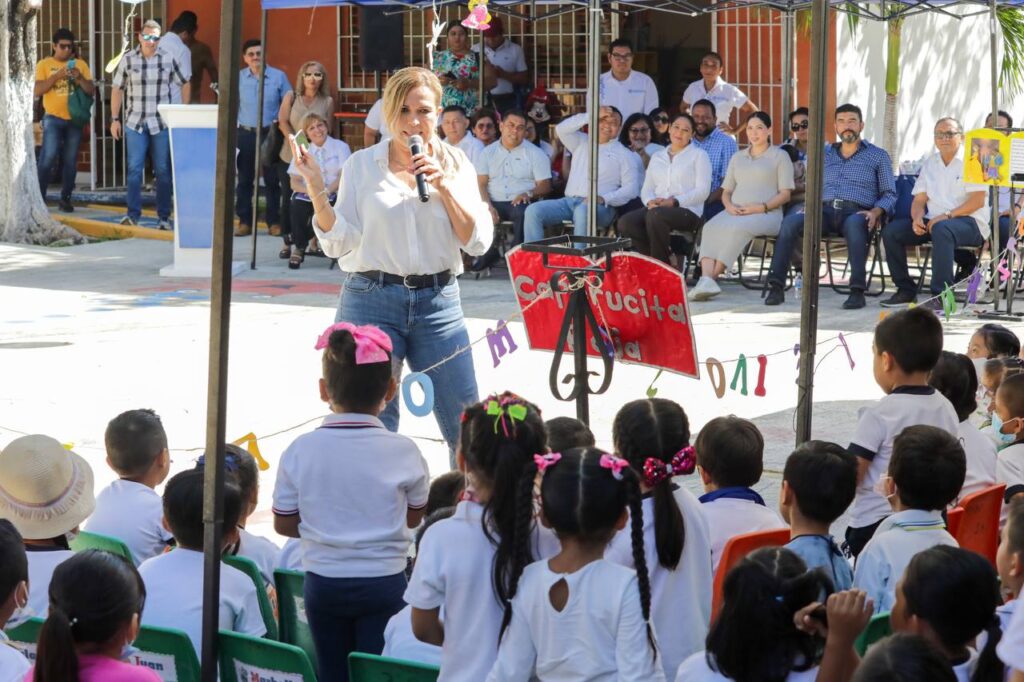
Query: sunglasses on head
[[799, 126], [148, 38]]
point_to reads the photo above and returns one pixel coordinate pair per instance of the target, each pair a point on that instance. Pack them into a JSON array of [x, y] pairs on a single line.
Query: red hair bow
[[656, 471]]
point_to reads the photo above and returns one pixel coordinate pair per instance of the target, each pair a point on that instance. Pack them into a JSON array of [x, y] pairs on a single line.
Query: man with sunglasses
[[858, 190], [624, 88], [55, 78], [143, 81], [173, 44]]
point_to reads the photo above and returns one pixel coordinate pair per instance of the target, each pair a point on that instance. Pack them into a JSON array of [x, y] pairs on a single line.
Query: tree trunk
[[890, 134], [24, 217]]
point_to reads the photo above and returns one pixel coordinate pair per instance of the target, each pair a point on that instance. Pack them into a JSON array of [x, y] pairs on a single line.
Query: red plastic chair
[[953, 518], [978, 530], [738, 547]]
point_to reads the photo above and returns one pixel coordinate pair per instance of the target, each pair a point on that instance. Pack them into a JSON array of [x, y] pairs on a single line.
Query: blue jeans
[[847, 222], [553, 211], [349, 614], [517, 214], [946, 236], [711, 209], [159, 149], [425, 326], [61, 137], [245, 165]]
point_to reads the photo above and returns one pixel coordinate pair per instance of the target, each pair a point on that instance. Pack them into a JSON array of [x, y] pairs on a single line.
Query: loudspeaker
[[380, 39]]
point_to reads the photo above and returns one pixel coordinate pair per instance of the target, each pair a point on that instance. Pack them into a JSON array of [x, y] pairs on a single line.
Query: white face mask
[[20, 615]]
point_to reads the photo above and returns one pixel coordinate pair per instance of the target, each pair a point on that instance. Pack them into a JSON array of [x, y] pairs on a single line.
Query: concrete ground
[[89, 331]]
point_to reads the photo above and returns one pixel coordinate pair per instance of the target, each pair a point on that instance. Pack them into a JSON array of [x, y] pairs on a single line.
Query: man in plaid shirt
[[144, 80], [719, 147]]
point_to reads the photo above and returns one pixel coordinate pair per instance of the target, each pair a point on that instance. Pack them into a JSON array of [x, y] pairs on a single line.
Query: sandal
[[285, 252], [295, 260]]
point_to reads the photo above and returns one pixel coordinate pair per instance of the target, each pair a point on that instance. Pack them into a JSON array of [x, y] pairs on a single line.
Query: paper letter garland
[[714, 366], [741, 371], [498, 340], [426, 385], [762, 361]]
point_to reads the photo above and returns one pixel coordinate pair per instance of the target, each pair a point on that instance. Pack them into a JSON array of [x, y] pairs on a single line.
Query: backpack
[[79, 106]]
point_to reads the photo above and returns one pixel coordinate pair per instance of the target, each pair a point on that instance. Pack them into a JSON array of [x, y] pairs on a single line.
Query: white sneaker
[[706, 288]]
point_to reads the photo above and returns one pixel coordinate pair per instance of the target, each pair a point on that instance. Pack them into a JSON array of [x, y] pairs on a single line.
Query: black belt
[[439, 279], [843, 205], [252, 129]]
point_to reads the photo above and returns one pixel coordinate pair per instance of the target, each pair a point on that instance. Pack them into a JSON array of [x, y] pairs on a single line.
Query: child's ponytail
[[636, 519], [990, 667], [56, 659]]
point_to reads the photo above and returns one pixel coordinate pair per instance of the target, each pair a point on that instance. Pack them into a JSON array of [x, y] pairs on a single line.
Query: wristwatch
[[115, 119]]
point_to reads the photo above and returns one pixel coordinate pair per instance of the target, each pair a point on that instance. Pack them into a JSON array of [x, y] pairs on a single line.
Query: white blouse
[[380, 223], [330, 157], [685, 177]]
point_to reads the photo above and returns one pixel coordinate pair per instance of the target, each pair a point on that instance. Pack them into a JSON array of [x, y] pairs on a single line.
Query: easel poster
[[994, 158], [642, 301]]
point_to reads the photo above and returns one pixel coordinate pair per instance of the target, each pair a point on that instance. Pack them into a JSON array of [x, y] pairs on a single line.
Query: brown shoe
[[275, 230], [243, 230]]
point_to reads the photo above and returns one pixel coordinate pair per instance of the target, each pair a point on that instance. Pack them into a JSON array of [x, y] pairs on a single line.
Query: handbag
[[79, 106], [270, 146]]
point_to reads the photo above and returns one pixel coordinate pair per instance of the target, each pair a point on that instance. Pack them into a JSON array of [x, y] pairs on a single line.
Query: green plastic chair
[[167, 652], [249, 567], [369, 668], [243, 657], [85, 540], [24, 637], [291, 609], [878, 628]]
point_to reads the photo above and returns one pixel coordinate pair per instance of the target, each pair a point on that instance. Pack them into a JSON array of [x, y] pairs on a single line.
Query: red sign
[[641, 300]]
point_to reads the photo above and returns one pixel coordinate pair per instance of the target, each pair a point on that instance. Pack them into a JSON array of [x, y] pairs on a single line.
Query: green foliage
[[1011, 70]]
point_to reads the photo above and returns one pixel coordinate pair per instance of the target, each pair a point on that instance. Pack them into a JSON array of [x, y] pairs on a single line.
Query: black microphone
[[416, 147]]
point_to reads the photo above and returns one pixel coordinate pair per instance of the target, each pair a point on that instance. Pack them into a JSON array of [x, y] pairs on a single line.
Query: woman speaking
[[402, 254]]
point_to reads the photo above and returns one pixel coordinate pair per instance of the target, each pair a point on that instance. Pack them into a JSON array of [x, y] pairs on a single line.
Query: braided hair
[[583, 499]]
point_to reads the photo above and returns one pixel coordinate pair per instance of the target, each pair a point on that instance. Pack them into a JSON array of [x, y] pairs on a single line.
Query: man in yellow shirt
[[55, 78]]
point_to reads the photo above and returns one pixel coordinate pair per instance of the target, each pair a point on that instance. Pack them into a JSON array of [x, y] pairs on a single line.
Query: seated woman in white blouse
[[678, 181], [330, 153], [402, 255]]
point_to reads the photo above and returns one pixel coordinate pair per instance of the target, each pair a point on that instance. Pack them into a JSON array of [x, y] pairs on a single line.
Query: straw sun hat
[[45, 489]]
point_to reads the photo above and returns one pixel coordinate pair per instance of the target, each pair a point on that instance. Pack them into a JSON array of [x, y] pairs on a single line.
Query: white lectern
[[193, 132]]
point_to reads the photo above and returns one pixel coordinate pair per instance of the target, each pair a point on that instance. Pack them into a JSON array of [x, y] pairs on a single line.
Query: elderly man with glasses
[[947, 212], [624, 88], [56, 77]]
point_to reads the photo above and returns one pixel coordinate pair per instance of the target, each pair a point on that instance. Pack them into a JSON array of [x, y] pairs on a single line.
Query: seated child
[[1011, 647], [818, 484], [129, 509], [907, 346], [1008, 426], [955, 378], [730, 458], [1009, 564], [992, 374], [445, 491], [993, 341], [568, 432], [46, 492], [578, 616], [174, 581], [949, 596], [399, 640], [352, 491], [926, 472], [96, 600], [13, 596], [903, 657]]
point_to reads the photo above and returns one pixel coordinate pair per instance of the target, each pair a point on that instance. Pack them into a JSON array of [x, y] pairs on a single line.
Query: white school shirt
[[1011, 646], [508, 57], [899, 537], [264, 553], [400, 642], [946, 188], [680, 598], [510, 172], [697, 669], [981, 459], [618, 179], [965, 670], [171, 44], [1010, 470], [599, 636], [174, 596], [453, 571], [42, 561], [352, 482], [133, 513], [1005, 613], [636, 94], [291, 555], [331, 156], [725, 97], [13, 663], [381, 224], [685, 177], [473, 148], [729, 516], [877, 427]]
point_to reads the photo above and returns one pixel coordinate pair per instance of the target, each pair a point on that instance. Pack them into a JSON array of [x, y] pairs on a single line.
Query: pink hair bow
[[372, 344], [683, 462], [546, 460], [616, 464]]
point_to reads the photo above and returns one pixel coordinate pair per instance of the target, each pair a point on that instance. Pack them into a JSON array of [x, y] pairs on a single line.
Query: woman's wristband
[[765, 207]]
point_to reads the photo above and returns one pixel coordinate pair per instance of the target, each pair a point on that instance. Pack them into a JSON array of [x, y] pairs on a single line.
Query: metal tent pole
[[593, 108], [259, 135], [788, 36], [812, 218], [993, 196], [220, 318]]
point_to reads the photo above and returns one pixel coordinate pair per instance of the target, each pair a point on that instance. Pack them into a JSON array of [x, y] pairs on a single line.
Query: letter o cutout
[[426, 385]]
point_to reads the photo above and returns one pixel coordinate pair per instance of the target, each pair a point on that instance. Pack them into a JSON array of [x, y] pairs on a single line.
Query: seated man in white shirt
[[725, 96], [174, 581], [947, 212], [508, 62], [622, 87], [374, 124], [512, 173], [455, 126], [619, 177]]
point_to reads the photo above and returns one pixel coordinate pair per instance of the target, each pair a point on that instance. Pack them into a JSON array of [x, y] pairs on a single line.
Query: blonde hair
[[151, 24], [313, 116], [398, 87], [322, 91]]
